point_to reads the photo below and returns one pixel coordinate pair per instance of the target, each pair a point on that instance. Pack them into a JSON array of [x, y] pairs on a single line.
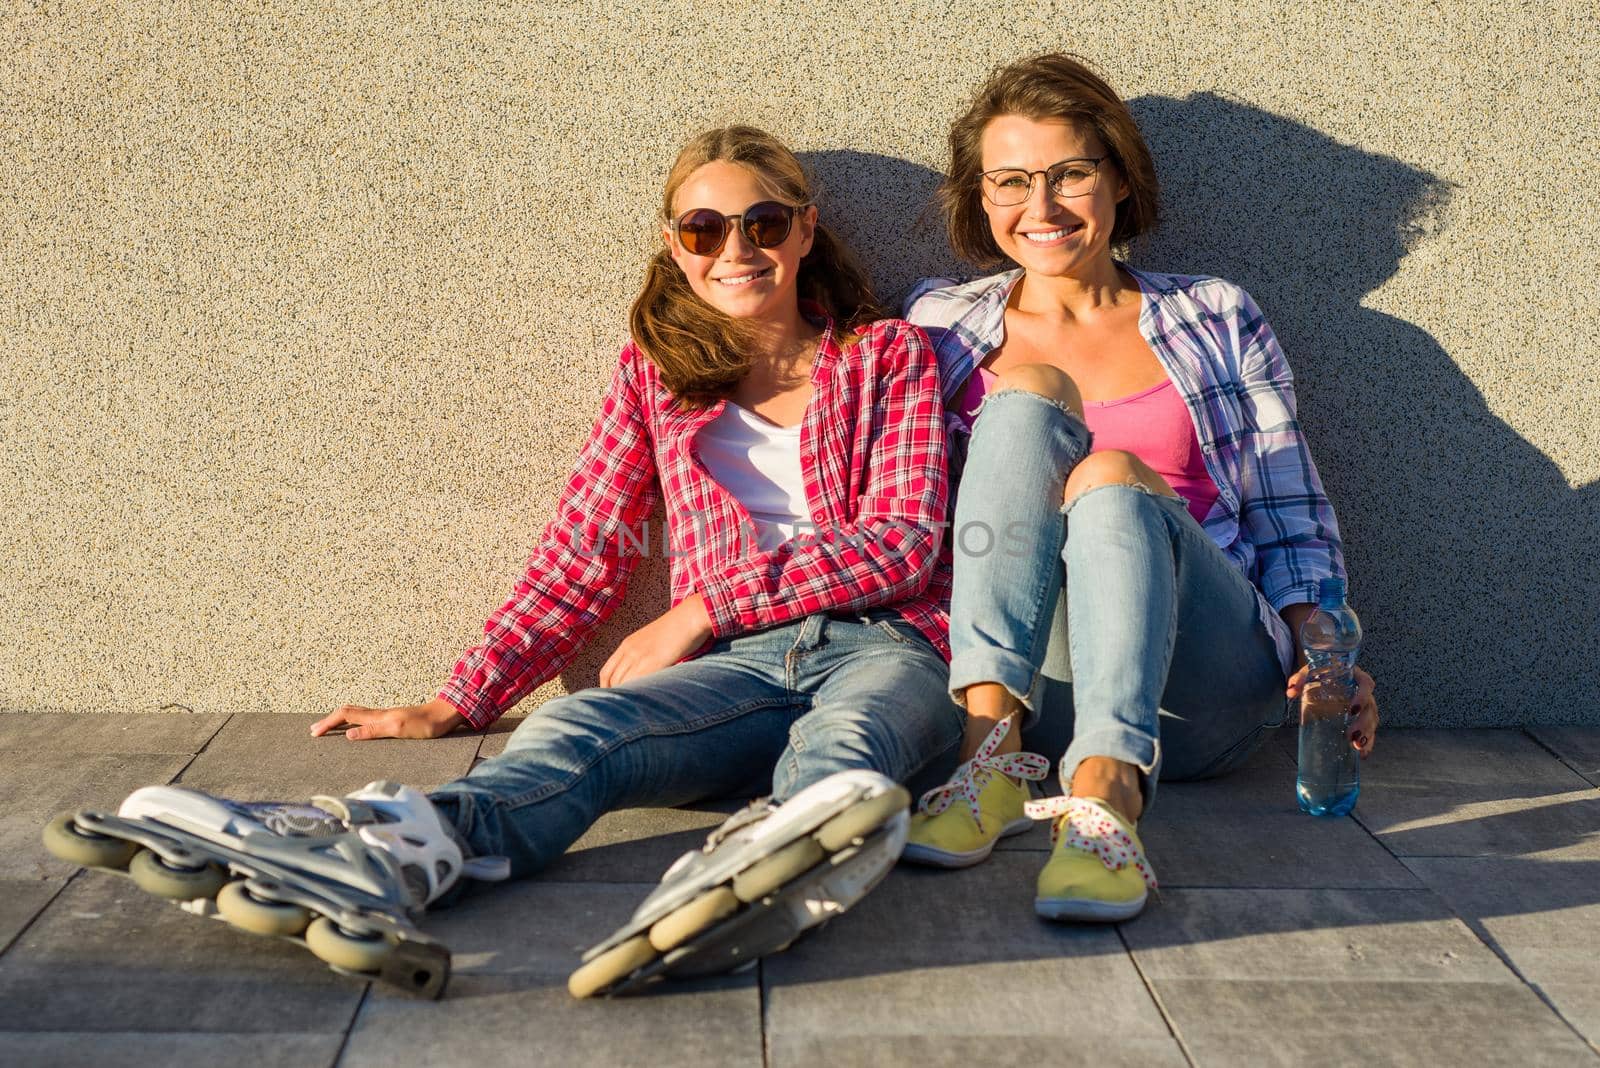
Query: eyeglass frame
[[983, 186], [728, 220]]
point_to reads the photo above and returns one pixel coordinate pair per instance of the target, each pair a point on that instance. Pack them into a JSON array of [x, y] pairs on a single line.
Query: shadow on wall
[[1473, 562]]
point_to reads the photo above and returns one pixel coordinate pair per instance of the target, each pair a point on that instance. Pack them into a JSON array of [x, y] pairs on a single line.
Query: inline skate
[[342, 876], [763, 878]]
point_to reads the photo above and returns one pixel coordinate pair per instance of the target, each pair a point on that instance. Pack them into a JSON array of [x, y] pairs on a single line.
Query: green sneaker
[[994, 790]]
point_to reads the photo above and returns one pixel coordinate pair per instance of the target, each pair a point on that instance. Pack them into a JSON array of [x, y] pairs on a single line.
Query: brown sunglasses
[[765, 224]]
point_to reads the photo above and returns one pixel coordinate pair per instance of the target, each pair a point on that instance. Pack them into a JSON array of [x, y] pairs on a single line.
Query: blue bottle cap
[[1330, 591]]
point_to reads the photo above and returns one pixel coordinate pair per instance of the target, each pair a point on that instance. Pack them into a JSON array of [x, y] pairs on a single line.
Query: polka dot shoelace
[[970, 777], [1086, 825]]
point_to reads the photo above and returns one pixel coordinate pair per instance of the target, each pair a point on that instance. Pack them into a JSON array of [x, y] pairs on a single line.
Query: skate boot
[[342, 876], [763, 878]]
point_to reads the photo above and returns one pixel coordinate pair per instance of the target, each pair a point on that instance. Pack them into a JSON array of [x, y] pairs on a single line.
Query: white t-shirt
[[759, 463]]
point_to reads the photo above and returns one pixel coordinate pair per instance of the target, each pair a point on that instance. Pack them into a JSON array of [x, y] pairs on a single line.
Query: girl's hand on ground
[[1363, 710], [434, 719], [668, 639]]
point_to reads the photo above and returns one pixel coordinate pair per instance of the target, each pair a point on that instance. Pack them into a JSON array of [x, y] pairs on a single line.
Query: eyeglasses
[[1008, 186], [765, 224]]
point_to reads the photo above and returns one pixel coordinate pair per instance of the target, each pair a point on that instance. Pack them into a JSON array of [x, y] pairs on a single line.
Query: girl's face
[[740, 279], [1048, 234]]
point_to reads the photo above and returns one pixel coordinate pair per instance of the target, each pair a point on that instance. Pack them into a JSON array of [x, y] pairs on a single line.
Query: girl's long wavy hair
[[700, 352]]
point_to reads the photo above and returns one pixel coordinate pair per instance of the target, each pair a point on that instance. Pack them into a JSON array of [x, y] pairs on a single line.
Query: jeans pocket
[[891, 628]]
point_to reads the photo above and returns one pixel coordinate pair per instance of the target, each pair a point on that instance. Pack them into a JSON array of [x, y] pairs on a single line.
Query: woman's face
[[740, 280], [1049, 234]]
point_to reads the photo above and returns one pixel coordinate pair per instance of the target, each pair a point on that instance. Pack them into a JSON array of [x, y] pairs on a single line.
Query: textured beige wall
[[303, 313]]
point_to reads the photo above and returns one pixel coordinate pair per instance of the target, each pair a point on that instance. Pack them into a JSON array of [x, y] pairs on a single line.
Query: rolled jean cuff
[[990, 664], [1119, 743]]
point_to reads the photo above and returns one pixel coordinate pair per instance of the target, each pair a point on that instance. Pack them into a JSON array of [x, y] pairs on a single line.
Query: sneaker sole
[[1087, 910], [946, 858]]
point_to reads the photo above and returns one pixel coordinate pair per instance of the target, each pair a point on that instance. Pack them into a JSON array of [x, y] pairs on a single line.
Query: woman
[[800, 448], [1137, 442]]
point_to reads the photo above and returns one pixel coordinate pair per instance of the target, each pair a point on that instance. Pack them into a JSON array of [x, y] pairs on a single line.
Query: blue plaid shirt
[[1271, 518]]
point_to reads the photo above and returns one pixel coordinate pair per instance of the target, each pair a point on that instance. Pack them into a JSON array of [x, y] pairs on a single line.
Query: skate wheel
[[154, 875], [71, 843], [352, 952], [258, 915], [862, 819], [766, 875], [683, 923], [610, 966]]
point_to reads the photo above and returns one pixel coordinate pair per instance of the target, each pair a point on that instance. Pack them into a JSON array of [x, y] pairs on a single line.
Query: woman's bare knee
[[1043, 379], [1114, 467]]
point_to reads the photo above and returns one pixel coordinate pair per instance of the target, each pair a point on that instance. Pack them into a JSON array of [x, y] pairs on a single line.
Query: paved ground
[[1455, 918]]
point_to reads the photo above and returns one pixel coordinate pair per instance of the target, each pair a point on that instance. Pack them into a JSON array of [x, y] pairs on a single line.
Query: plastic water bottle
[[1330, 772]]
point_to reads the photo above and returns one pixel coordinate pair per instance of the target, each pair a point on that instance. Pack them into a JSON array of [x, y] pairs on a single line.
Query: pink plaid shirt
[[872, 446]]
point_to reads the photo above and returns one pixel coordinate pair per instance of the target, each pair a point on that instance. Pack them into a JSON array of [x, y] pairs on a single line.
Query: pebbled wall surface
[[305, 309]]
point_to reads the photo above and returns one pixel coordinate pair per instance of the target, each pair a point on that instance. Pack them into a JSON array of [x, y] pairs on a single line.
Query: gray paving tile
[[71, 1049], [1476, 793], [1245, 829], [516, 1020], [30, 733], [513, 946], [20, 902], [1315, 1022], [531, 927], [1543, 913], [963, 1051], [637, 843], [1361, 935], [105, 956], [932, 956], [35, 789], [1579, 747], [270, 756]]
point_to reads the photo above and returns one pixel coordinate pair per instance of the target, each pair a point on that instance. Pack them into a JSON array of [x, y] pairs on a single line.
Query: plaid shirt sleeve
[[1282, 502], [888, 549], [579, 572]]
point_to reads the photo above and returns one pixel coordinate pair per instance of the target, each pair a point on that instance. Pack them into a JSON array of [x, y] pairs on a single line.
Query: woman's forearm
[[1294, 615]]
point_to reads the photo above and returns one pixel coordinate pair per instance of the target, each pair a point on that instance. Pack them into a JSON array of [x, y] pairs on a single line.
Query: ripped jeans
[[1116, 621]]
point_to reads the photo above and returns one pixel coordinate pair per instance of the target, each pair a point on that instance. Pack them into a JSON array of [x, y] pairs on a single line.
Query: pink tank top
[[1153, 424]]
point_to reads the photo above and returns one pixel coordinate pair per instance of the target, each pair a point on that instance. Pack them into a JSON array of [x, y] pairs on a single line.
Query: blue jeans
[[773, 711], [1116, 621]]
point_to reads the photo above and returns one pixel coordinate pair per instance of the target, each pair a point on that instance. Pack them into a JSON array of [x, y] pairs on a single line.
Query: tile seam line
[[350, 1027], [1420, 888], [761, 1012], [187, 764], [68, 881], [1565, 762], [1481, 936], [79, 873], [1149, 987], [1493, 946]]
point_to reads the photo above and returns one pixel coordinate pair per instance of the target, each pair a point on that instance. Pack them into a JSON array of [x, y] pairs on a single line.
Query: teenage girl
[[800, 448]]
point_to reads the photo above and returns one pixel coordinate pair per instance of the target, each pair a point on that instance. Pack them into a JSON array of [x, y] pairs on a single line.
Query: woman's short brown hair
[[1050, 86]]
